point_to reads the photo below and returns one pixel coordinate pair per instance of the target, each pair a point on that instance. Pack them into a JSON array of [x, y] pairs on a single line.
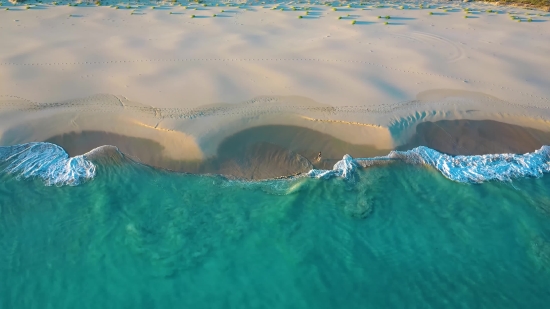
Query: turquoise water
[[397, 236]]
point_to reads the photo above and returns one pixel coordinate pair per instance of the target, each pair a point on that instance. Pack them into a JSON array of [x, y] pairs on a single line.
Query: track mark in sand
[[16, 98], [259, 106], [448, 48], [198, 60], [246, 60], [342, 122], [152, 127], [119, 101], [251, 108], [450, 136], [456, 54]]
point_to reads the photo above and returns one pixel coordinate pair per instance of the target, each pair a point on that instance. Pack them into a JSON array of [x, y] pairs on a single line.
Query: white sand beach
[[190, 75]]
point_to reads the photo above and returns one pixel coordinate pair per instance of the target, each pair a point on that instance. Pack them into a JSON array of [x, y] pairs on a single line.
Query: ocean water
[[413, 233]]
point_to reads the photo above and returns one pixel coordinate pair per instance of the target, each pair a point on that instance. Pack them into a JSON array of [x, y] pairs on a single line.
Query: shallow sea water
[[399, 236]]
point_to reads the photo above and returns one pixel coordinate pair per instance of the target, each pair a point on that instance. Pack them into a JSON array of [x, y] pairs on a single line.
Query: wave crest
[[344, 168], [46, 161], [53, 165], [466, 169]]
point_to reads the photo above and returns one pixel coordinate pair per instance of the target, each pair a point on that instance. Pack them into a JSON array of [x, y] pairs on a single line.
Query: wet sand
[[255, 153], [278, 150], [80, 143], [475, 137]]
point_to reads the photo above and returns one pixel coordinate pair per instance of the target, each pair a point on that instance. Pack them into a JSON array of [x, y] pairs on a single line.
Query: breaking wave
[[53, 165], [46, 161], [466, 169]]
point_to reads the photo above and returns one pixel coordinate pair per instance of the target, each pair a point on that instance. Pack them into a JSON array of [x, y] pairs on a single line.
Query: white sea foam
[[46, 161], [344, 168], [53, 165], [467, 169]]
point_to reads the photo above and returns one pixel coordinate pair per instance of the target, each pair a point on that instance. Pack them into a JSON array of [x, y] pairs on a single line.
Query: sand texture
[[257, 92]]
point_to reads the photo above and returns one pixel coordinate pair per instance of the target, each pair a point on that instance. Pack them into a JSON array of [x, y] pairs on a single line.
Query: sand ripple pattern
[[451, 50]]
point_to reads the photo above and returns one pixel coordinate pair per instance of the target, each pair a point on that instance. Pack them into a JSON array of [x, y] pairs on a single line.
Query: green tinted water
[[402, 236]]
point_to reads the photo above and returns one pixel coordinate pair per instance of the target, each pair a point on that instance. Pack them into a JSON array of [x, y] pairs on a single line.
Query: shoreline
[[206, 88], [271, 137], [258, 153]]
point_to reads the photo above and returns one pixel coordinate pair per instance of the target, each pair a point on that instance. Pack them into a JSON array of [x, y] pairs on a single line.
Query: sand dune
[[172, 60], [172, 90]]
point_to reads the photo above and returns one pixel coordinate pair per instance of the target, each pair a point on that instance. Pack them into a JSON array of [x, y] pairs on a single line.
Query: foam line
[[466, 169], [46, 161], [54, 166]]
